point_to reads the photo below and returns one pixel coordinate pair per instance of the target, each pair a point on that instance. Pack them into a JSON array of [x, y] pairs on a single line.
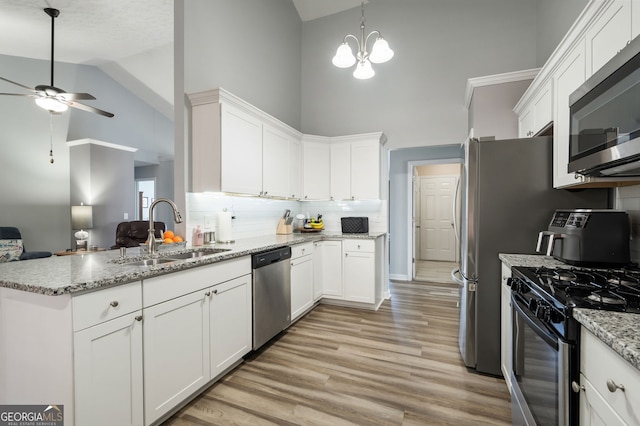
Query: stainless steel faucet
[[152, 242]]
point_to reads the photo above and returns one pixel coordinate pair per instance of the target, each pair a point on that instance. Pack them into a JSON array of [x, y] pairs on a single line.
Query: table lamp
[[81, 218]]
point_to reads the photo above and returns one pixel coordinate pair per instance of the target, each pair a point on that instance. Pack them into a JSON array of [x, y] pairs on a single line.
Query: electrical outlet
[[126, 216], [207, 222]]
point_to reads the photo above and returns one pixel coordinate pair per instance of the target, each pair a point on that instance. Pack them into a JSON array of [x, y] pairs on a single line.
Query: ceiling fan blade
[[88, 108], [18, 94], [76, 96], [17, 84]]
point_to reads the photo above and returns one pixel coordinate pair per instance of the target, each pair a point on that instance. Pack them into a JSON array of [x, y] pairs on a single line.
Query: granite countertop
[[59, 275], [619, 330]]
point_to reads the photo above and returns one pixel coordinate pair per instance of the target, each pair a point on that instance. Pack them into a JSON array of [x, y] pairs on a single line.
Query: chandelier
[[380, 53]]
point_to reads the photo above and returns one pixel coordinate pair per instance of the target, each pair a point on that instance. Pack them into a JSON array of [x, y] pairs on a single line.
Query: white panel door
[[275, 162], [436, 218]]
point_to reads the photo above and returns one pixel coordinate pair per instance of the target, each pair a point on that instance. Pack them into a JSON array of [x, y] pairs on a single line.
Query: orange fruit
[[168, 240], [169, 234], [177, 239]]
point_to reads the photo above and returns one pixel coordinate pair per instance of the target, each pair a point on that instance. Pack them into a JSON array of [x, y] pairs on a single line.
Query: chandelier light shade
[[380, 52]]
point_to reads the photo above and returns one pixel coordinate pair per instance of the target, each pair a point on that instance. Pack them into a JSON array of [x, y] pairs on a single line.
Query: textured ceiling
[[87, 31]]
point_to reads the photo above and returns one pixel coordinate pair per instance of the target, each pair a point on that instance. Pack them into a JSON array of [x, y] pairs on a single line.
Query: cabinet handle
[[358, 246], [346, 255], [576, 387], [208, 294], [577, 176], [114, 304], [353, 197], [265, 193], [139, 318], [215, 291], [612, 386]]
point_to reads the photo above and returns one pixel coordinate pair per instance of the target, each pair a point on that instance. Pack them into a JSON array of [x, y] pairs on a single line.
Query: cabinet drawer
[[102, 305], [599, 364], [368, 246], [300, 250]]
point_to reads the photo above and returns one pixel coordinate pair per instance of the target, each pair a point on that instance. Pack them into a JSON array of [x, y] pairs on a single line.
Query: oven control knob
[[543, 313]]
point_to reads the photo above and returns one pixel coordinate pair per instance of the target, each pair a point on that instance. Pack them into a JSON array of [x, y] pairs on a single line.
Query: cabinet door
[[569, 76], [608, 35], [316, 170], [275, 162], [230, 323], [317, 271], [359, 277], [241, 137], [365, 170], [594, 410], [331, 269], [295, 167], [302, 291], [525, 123], [176, 352], [543, 108], [108, 372], [341, 171], [505, 327]]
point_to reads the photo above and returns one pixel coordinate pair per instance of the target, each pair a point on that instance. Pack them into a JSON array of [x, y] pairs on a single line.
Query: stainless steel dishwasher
[[271, 294]]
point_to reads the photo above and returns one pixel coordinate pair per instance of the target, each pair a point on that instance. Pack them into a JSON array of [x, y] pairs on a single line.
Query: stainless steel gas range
[[545, 334]]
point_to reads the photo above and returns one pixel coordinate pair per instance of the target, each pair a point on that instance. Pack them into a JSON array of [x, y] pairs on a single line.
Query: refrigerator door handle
[[455, 211]]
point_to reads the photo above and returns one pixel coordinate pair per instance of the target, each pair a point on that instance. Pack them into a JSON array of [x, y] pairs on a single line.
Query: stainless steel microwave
[[605, 118]]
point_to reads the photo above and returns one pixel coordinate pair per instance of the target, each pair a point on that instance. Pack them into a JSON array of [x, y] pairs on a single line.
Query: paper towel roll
[[223, 235]]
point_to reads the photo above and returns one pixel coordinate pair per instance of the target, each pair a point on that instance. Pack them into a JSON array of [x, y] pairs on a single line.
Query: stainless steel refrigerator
[[507, 198]]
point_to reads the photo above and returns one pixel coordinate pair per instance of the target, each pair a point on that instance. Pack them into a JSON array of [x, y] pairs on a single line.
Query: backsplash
[[259, 216], [628, 198]]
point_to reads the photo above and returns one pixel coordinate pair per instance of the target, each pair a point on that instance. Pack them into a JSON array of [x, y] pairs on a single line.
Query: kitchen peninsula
[[87, 332]]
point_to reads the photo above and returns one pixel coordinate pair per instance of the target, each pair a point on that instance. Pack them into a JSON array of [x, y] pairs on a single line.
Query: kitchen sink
[[151, 262], [196, 254]]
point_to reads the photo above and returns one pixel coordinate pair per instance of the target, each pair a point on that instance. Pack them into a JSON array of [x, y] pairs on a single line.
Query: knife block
[[283, 228]]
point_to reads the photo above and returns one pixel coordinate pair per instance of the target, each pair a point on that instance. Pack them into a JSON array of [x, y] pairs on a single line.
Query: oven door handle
[[537, 325]]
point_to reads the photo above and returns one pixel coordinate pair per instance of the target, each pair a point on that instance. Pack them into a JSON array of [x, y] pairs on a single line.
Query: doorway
[[145, 194], [435, 222]]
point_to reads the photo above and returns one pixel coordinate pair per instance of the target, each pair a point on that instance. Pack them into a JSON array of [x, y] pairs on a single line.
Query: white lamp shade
[[344, 56], [51, 104], [81, 217], [380, 52], [364, 70]]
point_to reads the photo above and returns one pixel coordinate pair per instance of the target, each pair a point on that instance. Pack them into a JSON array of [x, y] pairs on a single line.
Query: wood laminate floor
[[434, 271], [341, 366]]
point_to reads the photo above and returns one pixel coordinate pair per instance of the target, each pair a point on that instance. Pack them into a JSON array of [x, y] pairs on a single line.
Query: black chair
[[12, 233], [135, 232]]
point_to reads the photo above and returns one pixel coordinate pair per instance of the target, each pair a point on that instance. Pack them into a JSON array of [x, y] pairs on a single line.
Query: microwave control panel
[[569, 220]]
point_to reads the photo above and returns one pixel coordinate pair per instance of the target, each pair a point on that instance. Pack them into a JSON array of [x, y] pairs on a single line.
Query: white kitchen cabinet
[[330, 272], [229, 323], [108, 372], [317, 271], [176, 352], [359, 267], [608, 34], [316, 169], [340, 175], [241, 151], [302, 279], [506, 327], [275, 162], [610, 386], [295, 168], [569, 76], [107, 347], [525, 123]]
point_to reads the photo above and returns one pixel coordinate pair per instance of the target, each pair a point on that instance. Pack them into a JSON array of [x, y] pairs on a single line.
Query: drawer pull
[[576, 387], [215, 291], [139, 318], [208, 294], [114, 304], [612, 386]]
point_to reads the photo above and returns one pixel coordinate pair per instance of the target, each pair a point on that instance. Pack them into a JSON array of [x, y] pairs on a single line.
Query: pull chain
[[50, 138]]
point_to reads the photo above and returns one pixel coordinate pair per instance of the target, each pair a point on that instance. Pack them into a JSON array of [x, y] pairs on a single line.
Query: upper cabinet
[[600, 32], [237, 148]]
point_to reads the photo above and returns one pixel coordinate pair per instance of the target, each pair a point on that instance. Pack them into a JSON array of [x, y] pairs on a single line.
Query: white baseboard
[[398, 277]]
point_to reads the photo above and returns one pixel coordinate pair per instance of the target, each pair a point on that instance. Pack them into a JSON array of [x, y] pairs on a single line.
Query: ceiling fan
[[51, 98]]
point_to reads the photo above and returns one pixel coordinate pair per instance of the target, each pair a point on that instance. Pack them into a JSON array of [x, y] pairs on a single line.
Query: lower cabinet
[[176, 352], [330, 268], [108, 372], [506, 325], [358, 270], [302, 279]]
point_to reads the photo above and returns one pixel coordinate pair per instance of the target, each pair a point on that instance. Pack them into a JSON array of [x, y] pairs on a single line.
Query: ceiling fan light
[[344, 56], [51, 105], [380, 52], [364, 70]]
